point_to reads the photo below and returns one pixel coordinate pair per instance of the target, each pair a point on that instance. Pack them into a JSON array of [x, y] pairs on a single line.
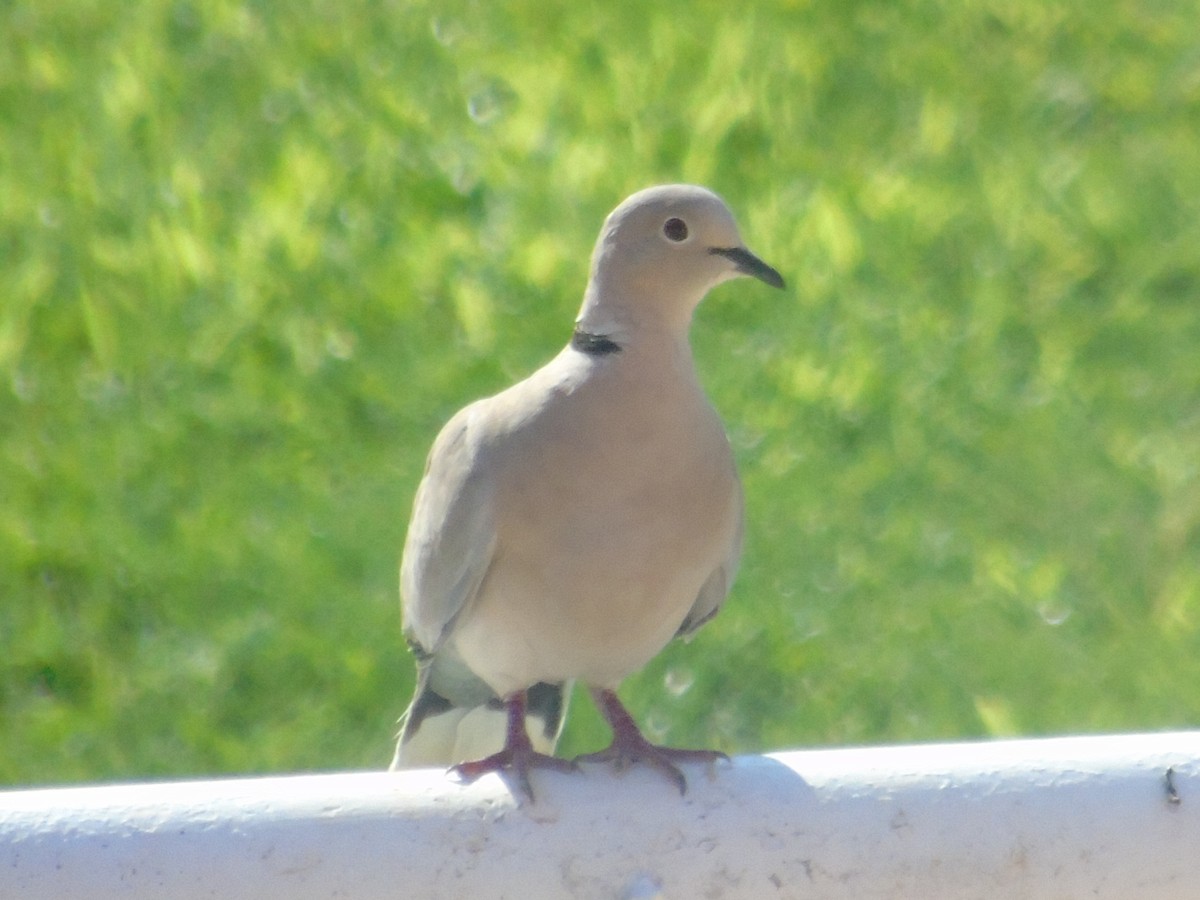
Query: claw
[[518, 758], [629, 746], [516, 762]]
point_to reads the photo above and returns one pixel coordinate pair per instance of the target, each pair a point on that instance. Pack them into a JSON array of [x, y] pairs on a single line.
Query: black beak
[[749, 264]]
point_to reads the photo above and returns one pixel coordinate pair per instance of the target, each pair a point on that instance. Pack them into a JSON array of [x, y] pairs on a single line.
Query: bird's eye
[[676, 230]]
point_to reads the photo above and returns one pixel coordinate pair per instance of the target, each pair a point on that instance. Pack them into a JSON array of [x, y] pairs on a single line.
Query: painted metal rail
[[1113, 816]]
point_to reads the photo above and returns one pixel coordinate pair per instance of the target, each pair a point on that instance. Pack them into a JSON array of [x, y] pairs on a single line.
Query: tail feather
[[439, 731]]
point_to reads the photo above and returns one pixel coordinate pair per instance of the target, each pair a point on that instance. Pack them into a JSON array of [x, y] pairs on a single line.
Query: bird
[[569, 527]]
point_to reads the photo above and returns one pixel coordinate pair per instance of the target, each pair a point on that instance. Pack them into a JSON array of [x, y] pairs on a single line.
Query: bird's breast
[[614, 517]]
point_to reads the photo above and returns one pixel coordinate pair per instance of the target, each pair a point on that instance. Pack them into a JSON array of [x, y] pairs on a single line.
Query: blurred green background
[[253, 255]]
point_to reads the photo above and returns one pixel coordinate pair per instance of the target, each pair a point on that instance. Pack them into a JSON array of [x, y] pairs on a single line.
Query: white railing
[[1112, 816]]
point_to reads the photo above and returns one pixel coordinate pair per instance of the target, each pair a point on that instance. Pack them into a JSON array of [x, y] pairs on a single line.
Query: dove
[[569, 527]]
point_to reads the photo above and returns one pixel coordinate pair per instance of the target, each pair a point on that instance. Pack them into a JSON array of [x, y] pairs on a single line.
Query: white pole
[[1110, 817]]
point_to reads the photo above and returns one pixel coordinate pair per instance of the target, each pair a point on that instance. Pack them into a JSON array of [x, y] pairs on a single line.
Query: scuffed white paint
[[1059, 818]]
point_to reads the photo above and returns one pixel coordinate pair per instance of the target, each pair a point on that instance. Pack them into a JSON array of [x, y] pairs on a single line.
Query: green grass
[[253, 256]]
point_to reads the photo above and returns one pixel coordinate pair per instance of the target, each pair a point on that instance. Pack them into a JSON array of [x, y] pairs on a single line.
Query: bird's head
[[659, 253]]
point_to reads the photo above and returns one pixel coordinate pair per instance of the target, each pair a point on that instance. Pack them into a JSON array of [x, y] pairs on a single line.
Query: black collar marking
[[594, 344]]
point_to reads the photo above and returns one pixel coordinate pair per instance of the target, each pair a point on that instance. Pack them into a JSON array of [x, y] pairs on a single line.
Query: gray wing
[[451, 537], [716, 588]]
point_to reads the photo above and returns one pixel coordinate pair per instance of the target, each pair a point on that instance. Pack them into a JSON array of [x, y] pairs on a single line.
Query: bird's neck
[[622, 314]]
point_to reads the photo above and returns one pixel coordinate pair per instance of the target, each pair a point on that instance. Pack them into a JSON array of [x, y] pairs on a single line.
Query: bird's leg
[[517, 757], [629, 745]]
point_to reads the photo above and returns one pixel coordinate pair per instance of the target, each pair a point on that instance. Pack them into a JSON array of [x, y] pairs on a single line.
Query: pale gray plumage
[[571, 525]]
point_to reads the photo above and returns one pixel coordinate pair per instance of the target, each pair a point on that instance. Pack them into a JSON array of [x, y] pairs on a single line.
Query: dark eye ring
[[676, 230]]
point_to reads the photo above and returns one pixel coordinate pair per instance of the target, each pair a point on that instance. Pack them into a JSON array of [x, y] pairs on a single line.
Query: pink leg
[[518, 756], [630, 746]]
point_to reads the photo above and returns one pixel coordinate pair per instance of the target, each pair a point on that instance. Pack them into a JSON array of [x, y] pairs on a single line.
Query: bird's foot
[[518, 757], [629, 746], [625, 752], [515, 762]]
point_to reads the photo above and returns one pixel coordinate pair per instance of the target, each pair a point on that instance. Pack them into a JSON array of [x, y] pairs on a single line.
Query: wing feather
[[451, 537], [714, 591]]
